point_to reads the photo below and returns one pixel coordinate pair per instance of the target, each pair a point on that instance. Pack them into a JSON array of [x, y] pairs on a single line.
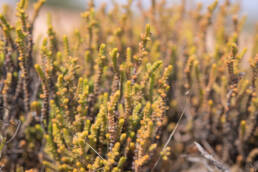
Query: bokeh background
[[249, 7], [66, 13]]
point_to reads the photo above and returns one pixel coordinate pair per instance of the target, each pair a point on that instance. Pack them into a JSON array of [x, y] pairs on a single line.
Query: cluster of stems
[[108, 96]]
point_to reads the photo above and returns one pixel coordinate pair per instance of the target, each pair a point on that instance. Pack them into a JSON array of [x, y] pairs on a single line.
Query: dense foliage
[[108, 98]]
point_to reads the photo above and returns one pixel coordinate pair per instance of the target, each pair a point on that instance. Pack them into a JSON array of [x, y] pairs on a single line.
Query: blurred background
[[248, 6], [69, 10]]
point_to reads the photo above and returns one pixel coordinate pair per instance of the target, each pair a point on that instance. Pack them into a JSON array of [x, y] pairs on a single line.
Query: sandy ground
[[64, 21]]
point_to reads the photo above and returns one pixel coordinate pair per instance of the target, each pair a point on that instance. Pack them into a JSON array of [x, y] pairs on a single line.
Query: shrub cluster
[[108, 98]]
